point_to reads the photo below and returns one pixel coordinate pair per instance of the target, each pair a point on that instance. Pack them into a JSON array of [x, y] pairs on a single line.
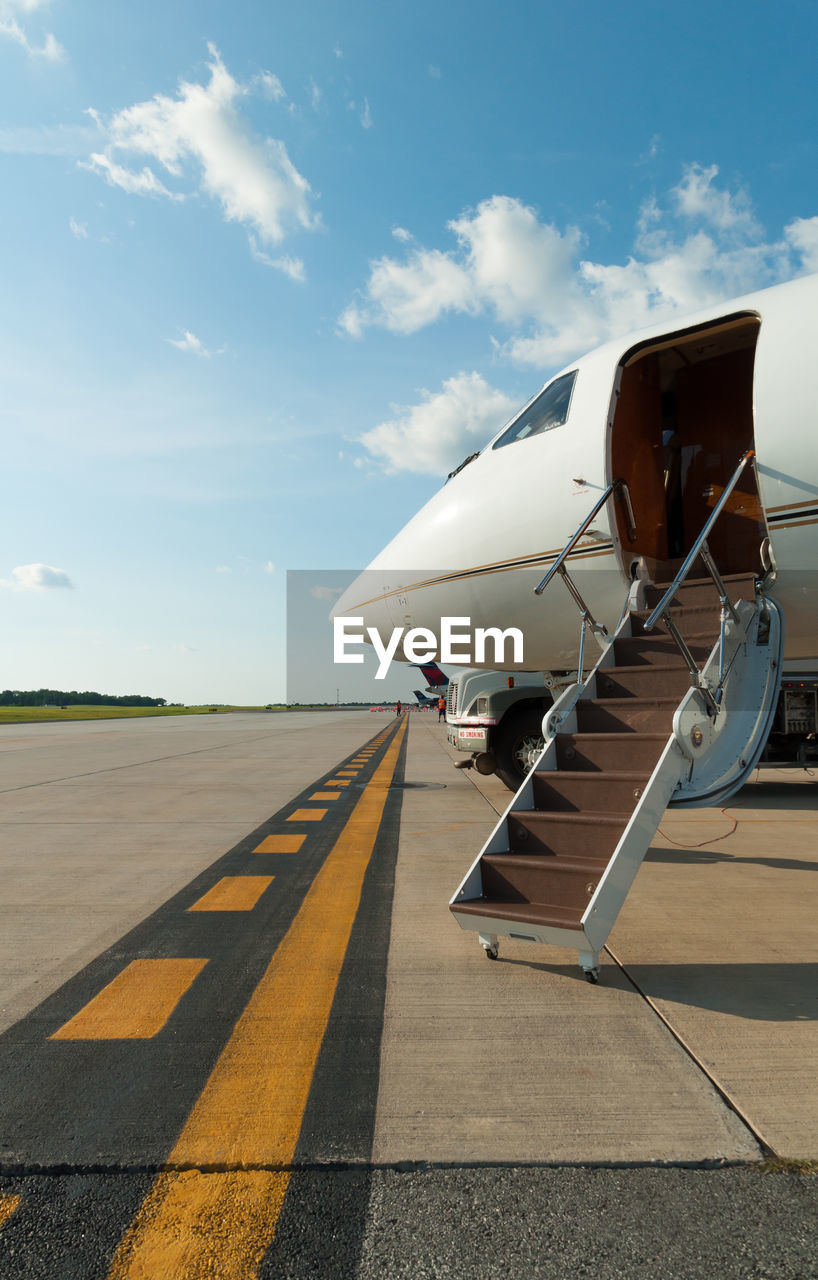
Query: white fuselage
[[479, 547]]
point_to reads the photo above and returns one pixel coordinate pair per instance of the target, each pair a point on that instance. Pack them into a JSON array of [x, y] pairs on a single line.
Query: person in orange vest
[[441, 709], [398, 708]]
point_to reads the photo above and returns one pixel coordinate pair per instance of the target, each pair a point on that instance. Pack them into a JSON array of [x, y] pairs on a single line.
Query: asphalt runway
[[242, 1036]]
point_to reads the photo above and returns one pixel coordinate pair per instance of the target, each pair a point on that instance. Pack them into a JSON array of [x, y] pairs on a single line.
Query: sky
[[269, 272]]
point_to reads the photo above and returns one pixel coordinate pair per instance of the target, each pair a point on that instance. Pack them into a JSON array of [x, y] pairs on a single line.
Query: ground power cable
[[767, 1149]]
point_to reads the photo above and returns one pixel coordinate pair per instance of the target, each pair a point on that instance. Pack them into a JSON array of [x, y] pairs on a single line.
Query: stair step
[[579, 791], [532, 913], [626, 715], [517, 878], [702, 591], [569, 835], [659, 649], [695, 621], [600, 752], [667, 680]]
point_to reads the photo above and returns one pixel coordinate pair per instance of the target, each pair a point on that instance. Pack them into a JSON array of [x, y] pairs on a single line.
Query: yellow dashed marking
[[280, 844], [233, 893], [136, 1005], [7, 1206], [338, 782], [348, 773], [249, 1114], [307, 815], [325, 795]]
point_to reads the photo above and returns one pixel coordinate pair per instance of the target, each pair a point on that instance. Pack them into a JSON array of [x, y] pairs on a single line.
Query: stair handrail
[[557, 566], [712, 697], [587, 618], [700, 542]]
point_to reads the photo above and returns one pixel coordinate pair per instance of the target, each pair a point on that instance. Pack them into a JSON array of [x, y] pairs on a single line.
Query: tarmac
[[337, 1069], [700, 1041]]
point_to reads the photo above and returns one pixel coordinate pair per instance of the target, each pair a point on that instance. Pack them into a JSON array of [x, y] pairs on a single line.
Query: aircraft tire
[[518, 732]]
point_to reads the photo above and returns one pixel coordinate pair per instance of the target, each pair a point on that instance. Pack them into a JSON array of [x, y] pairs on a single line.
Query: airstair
[[676, 711]]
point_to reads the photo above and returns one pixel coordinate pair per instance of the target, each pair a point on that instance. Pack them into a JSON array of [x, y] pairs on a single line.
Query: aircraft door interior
[[683, 420]]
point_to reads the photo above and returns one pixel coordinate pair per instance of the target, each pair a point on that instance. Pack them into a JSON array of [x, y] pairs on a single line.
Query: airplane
[[669, 479], [436, 678], [425, 703]]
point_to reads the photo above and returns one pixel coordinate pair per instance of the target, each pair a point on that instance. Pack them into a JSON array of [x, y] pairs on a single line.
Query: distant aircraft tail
[[420, 697], [431, 672]]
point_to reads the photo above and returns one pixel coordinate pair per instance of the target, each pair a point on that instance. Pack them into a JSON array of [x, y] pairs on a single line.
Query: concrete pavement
[[521, 1060], [102, 821], [460, 1110]]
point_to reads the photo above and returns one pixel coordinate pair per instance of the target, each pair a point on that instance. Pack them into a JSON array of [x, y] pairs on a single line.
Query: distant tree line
[[61, 698]]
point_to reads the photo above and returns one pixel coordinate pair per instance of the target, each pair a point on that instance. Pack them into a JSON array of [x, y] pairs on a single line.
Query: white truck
[[496, 719]]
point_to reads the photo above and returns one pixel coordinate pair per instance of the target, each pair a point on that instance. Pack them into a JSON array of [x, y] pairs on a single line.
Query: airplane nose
[[374, 602]]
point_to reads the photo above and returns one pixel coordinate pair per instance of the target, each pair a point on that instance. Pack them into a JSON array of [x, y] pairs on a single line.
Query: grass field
[[34, 715]]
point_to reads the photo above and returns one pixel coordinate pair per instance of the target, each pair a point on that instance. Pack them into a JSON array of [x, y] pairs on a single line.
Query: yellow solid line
[[325, 795], [136, 1005], [280, 844], [233, 893], [8, 1204], [307, 815], [195, 1224]]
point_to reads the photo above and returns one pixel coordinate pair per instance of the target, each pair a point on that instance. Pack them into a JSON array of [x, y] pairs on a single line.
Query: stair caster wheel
[[589, 964], [490, 944]]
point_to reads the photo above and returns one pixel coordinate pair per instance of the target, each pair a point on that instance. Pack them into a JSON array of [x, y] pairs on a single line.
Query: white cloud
[[189, 342], [404, 297], [654, 149], [697, 197], [291, 266], [143, 183], [78, 229], [10, 11], [434, 72], [802, 234], [201, 144], [366, 115], [513, 259], [36, 577], [703, 246], [269, 567], [272, 86], [434, 436]]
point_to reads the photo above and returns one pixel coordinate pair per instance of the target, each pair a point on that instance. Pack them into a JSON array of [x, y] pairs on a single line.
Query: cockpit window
[[550, 409]]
